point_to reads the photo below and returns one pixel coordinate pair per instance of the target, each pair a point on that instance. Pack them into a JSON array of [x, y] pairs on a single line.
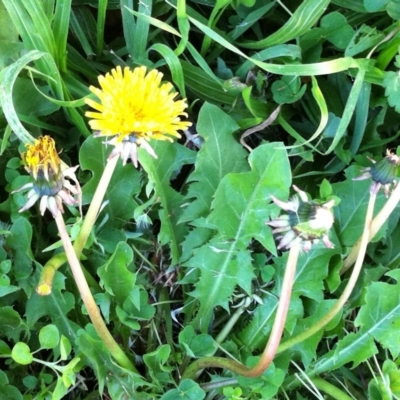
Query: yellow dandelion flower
[[49, 175], [135, 107]]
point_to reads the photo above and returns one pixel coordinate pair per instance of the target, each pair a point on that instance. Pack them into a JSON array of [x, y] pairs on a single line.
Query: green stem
[[88, 300], [232, 321], [49, 269], [348, 289], [376, 224], [95, 204], [274, 339], [330, 389]]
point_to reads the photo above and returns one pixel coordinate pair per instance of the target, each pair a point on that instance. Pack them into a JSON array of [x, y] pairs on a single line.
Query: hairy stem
[[88, 300], [376, 224], [348, 289], [49, 269], [274, 339]]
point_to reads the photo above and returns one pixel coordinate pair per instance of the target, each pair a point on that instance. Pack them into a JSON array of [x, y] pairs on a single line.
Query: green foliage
[[180, 259]]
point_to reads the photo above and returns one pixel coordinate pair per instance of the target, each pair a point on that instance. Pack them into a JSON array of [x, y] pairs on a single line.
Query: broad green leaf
[[116, 277], [311, 271], [240, 210], [254, 335], [57, 305], [4, 350], [93, 156], [305, 16], [195, 345], [109, 238], [65, 348], [187, 390], [136, 309], [391, 84], [20, 241], [380, 316], [104, 366], [7, 289], [336, 29], [267, 385], [308, 348], [60, 389], [354, 347], [377, 320], [29, 102], [155, 361], [12, 325], [240, 206], [350, 213], [21, 354], [171, 158], [212, 161], [49, 337], [375, 5], [287, 90], [393, 9]]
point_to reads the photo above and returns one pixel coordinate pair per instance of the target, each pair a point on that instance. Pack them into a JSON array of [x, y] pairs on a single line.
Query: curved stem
[[348, 289], [281, 314], [274, 339], [88, 300], [49, 269], [376, 224]]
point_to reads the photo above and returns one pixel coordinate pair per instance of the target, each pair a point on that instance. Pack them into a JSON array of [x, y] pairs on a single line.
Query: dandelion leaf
[[350, 213], [378, 321], [239, 211], [171, 158], [220, 154], [391, 83]]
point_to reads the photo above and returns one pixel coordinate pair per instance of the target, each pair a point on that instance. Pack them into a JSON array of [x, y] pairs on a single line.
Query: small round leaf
[[21, 354], [49, 337]]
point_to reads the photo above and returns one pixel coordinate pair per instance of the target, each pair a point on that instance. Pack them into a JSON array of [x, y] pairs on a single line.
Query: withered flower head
[[305, 223], [49, 175], [383, 173]]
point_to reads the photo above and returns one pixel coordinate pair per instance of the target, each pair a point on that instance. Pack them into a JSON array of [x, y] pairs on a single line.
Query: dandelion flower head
[[305, 223], [49, 173], [134, 107], [383, 173]]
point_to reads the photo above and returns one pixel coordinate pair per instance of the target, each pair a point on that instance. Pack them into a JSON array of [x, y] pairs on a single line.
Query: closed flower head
[[49, 175], [382, 173], [305, 223], [135, 107]]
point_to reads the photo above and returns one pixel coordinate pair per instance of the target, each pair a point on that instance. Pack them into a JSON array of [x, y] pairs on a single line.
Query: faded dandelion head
[[49, 175], [305, 223], [383, 173], [133, 108]]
